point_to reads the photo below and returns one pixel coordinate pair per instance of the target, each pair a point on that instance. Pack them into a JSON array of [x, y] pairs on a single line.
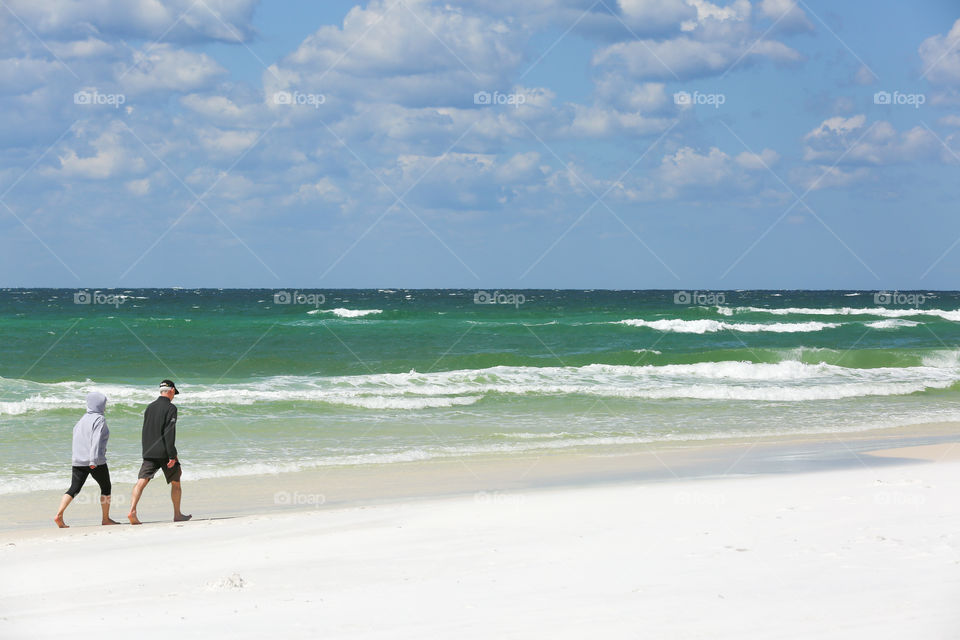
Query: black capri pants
[[101, 474]]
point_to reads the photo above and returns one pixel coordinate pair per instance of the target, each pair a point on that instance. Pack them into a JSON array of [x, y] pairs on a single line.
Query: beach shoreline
[[863, 545], [493, 477]]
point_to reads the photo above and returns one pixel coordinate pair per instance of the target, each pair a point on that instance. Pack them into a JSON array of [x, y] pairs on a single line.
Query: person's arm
[[169, 433], [96, 432]]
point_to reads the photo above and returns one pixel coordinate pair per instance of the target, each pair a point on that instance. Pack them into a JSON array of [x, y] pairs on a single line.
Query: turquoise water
[[273, 382]]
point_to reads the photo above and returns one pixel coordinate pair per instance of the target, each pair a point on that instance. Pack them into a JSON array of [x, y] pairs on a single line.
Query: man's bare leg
[[67, 498], [105, 508], [175, 494], [135, 498]]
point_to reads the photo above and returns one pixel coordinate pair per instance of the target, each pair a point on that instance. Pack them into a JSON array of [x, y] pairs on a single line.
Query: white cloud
[[940, 56], [139, 187], [686, 167], [228, 142], [864, 76], [685, 173], [213, 106], [763, 160], [624, 94], [81, 49], [323, 190], [165, 68], [787, 14], [110, 157], [851, 141], [738, 11], [602, 122], [465, 181], [22, 75], [718, 37], [818, 177], [686, 57], [659, 15], [837, 126], [414, 53], [180, 20]]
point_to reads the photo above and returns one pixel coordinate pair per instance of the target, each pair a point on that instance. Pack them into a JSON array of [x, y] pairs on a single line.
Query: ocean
[[274, 381]]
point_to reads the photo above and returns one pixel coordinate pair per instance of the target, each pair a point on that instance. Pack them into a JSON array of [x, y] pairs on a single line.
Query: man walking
[[159, 450]]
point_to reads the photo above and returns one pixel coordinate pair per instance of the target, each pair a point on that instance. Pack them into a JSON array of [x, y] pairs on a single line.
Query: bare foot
[[109, 521], [132, 517], [61, 523], [182, 517]]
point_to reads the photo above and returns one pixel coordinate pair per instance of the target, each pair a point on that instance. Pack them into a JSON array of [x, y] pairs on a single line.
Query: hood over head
[[96, 402]]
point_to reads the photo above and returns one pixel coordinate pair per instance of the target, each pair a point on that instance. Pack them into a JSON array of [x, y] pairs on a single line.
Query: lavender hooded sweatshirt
[[90, 434]]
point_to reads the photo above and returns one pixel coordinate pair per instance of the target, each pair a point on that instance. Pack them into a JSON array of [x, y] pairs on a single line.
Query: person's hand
[[171, 463], [93, 466]]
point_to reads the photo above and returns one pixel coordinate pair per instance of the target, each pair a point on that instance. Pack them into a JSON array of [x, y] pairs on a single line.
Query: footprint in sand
[[231, 583]]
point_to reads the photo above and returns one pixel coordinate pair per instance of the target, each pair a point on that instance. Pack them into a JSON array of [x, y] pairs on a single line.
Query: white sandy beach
[[857, 553]]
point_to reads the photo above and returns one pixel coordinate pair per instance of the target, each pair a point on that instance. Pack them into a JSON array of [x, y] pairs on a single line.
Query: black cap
[[169, 383]]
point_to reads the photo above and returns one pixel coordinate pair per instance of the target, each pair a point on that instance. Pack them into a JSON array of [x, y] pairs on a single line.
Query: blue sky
[[344, 144]]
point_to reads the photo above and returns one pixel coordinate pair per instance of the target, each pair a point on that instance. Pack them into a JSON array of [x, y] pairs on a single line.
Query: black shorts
[[101, 474], [150, 467]]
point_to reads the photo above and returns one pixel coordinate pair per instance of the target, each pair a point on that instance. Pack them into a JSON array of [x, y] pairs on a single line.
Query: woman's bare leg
[[105, 508]]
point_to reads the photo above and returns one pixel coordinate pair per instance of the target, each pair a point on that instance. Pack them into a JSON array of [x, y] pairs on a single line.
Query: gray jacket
[[90, 434]]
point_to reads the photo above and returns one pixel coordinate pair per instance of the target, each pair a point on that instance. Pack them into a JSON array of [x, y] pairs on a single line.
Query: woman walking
[[90, 436]]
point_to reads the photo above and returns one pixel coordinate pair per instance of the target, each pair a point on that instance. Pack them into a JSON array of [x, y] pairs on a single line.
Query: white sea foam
[[381, 402], [946, 314], [789, 380], [943, 359], [347, 313], [676, 325], [891, 323]]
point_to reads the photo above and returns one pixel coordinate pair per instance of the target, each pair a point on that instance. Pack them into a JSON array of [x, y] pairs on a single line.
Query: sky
[[625, 144]]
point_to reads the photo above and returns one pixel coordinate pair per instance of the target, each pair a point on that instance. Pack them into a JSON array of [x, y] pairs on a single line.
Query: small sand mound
[[230, 583]]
